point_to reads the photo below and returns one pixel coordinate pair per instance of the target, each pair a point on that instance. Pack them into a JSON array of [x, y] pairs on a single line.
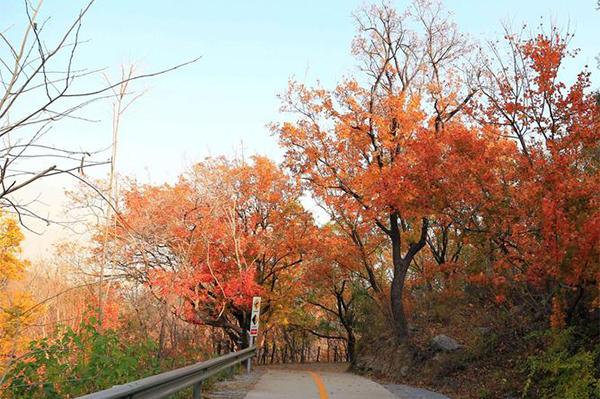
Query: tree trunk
[[399, 317], [161, 336], [274, 352], [397, 288], [401, 264], [351, 348]]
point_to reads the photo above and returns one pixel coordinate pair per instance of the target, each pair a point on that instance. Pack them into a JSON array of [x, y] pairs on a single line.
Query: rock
[[444, 343], [404, 371]]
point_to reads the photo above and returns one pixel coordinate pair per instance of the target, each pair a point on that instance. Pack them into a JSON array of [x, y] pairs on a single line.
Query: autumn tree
[[356, 146], [228, 230], [15, 300], [552, 241], [335, 284]]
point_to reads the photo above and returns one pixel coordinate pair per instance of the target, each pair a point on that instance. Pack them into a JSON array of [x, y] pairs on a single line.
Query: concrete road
[[307, 384]]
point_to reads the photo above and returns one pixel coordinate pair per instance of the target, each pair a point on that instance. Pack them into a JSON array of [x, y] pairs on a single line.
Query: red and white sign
[[255, 316]]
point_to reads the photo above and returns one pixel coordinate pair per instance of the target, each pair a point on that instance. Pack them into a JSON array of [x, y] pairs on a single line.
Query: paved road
[[301, 384]]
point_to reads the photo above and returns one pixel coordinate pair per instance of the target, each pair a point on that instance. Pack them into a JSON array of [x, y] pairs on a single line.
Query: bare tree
[[41, 86]]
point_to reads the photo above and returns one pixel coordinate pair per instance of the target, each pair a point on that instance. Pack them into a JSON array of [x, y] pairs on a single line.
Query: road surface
[[306, 384]]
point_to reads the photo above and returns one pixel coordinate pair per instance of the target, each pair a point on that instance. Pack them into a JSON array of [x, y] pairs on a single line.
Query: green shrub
[[75, 363], [566, 370]]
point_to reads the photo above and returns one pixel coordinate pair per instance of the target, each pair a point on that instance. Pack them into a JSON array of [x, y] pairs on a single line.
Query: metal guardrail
[[171, 382]]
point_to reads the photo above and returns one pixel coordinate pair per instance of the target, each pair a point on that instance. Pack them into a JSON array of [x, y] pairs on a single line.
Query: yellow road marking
[[320, 386]]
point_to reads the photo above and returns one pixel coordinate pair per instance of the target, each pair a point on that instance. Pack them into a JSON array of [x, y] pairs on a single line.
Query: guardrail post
[[198, 390]]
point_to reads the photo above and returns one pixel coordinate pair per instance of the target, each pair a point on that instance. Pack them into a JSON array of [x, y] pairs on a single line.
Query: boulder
[[443, 343]]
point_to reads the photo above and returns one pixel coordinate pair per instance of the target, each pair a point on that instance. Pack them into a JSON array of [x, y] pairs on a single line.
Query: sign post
[[253, 330]]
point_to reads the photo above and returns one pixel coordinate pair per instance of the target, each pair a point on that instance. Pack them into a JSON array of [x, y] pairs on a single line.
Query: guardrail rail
[[171, 382]]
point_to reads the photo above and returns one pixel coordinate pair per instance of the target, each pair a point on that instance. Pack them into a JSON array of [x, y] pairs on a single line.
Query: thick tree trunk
[[241, 338], [400, 322], [401, 265]]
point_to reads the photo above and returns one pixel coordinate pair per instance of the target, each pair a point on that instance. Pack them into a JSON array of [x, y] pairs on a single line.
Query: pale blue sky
[[249, 51]]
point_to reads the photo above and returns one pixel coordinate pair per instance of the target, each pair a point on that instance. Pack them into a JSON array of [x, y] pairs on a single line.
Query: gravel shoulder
[[236, 387]]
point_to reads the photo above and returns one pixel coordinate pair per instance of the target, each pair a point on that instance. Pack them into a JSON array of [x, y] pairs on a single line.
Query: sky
[[249, 50]]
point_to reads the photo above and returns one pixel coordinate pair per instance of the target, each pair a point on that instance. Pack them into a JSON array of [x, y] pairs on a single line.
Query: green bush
[[75, 363], [566, 370]]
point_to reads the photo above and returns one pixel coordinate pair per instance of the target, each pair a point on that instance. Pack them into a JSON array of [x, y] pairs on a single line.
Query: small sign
[[255, 316]]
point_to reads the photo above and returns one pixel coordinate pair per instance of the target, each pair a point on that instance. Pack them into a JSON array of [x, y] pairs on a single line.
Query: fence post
[[198, 390]]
